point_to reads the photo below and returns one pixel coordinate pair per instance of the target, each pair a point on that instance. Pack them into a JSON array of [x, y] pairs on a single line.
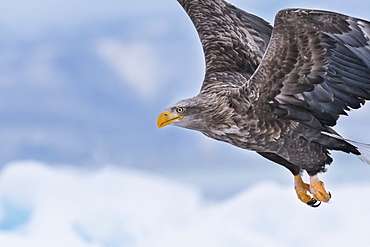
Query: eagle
[[278, 90]]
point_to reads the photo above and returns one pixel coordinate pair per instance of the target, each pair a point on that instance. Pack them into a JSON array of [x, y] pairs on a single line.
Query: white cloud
[[112, 207], [134, 63]]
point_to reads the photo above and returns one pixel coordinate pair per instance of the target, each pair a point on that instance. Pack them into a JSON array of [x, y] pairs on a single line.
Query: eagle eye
[[180, 110]]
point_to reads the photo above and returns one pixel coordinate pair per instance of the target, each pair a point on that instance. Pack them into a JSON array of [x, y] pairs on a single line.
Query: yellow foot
[[302, 189], [317, 189]]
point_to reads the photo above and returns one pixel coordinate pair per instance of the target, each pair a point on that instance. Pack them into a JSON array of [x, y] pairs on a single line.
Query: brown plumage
[[278, 91]]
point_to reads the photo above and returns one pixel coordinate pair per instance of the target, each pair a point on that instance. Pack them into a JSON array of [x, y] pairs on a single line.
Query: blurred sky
[[82, 82]]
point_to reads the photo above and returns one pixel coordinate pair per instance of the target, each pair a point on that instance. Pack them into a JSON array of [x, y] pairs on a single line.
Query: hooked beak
[[166, 118]]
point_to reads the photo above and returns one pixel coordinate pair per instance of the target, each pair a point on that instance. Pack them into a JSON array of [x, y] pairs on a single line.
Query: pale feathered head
[[201, 112], [188, 113]]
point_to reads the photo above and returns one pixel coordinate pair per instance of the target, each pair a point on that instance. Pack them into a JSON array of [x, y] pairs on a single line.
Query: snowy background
[[82, 162]]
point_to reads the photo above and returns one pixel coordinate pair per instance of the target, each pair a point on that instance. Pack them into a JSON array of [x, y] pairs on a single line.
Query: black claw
[[314, 203], [329, 194]]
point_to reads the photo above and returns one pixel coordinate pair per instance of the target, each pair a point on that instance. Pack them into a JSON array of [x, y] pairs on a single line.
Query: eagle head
[[188, 113]]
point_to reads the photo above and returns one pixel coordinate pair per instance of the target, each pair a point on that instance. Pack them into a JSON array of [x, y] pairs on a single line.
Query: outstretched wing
[[232, 40], [317, 67]]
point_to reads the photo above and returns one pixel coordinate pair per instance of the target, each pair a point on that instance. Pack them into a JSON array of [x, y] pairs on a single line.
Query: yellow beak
[[166, 118]]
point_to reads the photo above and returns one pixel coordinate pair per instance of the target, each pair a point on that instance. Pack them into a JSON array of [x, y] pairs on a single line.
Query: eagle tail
[[364, 150], [361, 150]]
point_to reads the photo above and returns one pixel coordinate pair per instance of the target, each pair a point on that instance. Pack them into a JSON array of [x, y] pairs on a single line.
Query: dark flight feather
[[232, 39], [328, 54]]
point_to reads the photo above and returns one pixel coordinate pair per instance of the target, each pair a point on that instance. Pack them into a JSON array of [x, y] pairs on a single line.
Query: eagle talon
[[312, 203], [317, 189]]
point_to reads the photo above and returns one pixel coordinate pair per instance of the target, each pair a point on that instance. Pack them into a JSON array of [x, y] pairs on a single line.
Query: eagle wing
[[232, 40], [316, 67]]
